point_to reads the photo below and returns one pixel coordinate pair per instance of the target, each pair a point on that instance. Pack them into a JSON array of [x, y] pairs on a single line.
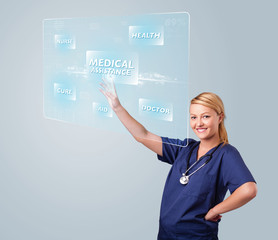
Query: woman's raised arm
[[137, 130]]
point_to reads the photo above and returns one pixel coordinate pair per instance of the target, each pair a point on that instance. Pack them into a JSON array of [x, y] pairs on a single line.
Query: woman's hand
[[212, 216], [109, 91]]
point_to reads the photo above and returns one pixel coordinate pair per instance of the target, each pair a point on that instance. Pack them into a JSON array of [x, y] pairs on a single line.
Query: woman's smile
[[201, 130]]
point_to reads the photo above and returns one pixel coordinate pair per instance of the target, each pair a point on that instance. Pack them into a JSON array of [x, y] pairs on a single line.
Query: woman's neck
[[209, 144]]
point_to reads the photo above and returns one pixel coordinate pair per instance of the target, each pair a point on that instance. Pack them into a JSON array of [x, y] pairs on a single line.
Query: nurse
[[201, 173]]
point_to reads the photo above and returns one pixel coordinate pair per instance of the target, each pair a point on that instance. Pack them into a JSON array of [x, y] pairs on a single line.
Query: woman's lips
[[201, 130]]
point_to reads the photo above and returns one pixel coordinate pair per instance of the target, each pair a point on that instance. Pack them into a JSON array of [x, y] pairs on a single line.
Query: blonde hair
[[214, 102]]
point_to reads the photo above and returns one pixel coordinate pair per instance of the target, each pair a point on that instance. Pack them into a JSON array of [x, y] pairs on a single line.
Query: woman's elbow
[[251, 190]]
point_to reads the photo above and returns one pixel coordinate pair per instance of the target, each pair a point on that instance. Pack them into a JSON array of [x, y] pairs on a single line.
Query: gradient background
[[64, 181]]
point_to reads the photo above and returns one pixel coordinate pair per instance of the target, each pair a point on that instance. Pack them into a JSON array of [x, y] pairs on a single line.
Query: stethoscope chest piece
[[184, 179]]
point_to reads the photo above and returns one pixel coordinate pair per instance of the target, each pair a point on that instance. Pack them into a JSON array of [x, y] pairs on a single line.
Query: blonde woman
[[201, 173]]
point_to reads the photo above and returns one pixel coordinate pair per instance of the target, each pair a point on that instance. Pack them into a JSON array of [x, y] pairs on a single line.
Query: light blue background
[[63, 181]]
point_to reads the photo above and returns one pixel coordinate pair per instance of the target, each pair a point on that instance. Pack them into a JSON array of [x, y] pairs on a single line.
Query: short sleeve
[[234, 171], [171, 148]]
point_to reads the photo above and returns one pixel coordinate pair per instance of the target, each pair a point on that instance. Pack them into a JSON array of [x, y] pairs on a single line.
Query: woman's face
[[204, 121]]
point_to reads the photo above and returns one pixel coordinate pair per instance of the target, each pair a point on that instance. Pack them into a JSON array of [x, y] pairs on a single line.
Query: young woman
[[202, 171]]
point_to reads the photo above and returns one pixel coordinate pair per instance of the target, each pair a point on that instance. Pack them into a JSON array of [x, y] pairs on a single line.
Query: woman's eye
[[193, 117], [206, 116]]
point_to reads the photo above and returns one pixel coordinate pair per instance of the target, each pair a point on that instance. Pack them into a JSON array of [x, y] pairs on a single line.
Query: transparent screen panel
[[144, 59]]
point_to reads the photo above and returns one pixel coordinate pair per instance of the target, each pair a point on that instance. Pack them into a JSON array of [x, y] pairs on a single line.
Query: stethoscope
[[185, 178]]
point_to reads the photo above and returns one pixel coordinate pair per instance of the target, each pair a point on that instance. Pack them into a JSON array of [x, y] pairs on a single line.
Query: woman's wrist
[[215, 210], [118, 109]]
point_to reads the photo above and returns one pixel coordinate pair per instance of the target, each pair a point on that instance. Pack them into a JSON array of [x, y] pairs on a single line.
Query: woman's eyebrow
[[200, 114]]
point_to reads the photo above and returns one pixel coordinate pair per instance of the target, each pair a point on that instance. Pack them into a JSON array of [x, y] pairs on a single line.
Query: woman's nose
[[199, 122]]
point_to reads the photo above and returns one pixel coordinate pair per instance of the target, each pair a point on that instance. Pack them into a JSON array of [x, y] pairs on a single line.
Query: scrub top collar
[[195, 149]]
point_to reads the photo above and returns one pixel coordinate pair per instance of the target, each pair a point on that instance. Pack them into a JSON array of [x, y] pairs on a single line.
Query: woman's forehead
[[200, 109]]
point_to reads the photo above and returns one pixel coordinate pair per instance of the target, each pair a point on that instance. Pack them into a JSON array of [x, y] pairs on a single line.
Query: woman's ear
[[221, 117]]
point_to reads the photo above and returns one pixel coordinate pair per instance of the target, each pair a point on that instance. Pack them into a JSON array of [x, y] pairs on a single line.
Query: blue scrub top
[[184, 207]]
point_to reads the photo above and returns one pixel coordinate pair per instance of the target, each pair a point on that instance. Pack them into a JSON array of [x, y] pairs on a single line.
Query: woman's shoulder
[[178, 142], [229, 150], [190, 141]]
